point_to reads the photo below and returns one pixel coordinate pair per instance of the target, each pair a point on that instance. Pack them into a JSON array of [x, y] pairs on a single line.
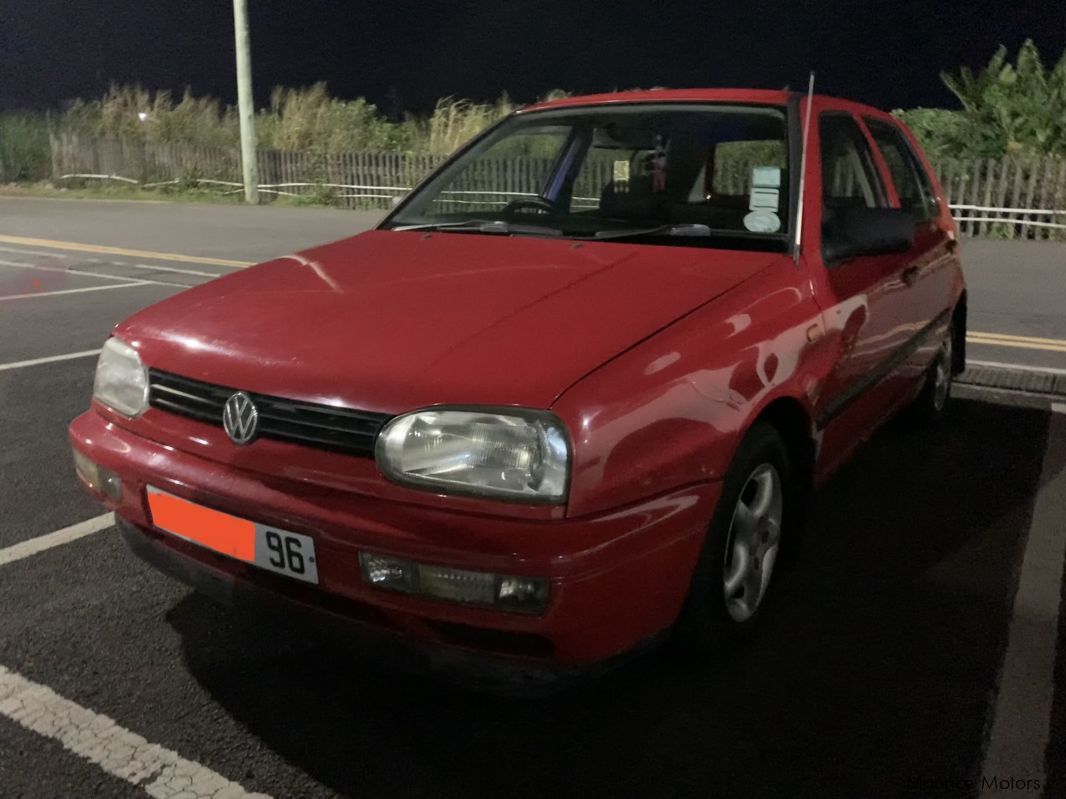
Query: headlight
[[121, 379], [500, 452]]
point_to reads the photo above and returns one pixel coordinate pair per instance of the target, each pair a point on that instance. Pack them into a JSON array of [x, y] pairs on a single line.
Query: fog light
[[97, 477], [457, 585], [391, 574], [518, 594], [87, 471], [522, 593]]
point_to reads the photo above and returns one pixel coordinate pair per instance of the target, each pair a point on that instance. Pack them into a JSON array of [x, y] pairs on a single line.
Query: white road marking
[[25, 549], [101, 275], [31, 295], [1022, 715], [49, 359], [182, 271], [41, 253], [159, 772], [1019, 366]]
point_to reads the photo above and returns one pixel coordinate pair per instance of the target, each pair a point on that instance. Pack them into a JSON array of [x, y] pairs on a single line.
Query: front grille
[[310, 424]]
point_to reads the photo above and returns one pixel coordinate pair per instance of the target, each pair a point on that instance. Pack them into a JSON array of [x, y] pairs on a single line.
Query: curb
[[1030, 382]]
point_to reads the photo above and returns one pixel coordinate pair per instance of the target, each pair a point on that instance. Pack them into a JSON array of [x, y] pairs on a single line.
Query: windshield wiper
[[497, 226], [658, 230]]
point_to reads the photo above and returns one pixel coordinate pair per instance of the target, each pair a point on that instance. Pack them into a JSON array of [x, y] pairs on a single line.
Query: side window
[[849, 177], [912, 184]]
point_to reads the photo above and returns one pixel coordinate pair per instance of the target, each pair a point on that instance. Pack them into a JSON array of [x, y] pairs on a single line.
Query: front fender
[[672, 410]]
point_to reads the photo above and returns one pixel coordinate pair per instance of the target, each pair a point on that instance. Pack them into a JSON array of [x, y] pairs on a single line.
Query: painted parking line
[[41, 543], [100, 249], [35, 294], [158, 771], [1021, 720], [48, 359]]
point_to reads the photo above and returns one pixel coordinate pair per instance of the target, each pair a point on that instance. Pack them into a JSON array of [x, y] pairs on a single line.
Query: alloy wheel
[[942, 375], [753, 543]]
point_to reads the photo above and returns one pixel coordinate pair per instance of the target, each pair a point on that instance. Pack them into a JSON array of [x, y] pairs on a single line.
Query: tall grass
[[306, 118], [455, 121], [310, 119], [24, 153], [131, 112]]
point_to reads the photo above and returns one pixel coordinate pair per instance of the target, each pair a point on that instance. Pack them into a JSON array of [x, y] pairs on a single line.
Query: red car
[[571, 394]]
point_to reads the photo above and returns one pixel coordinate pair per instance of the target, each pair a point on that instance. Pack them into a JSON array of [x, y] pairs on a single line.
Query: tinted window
[[908, 175], [849, 177]]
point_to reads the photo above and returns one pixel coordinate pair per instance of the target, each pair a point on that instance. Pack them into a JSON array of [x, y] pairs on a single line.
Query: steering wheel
[[538, 203]]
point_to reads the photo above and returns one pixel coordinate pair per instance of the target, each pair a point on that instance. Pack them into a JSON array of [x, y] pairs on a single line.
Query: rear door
[[865, 303], [929, 271]]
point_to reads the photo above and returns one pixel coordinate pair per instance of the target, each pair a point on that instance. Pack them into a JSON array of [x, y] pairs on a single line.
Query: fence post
[[1060, 201], [1046, 193], [1030, 191]]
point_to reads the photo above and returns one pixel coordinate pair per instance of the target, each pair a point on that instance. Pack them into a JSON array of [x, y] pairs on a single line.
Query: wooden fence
[[1009, 197]]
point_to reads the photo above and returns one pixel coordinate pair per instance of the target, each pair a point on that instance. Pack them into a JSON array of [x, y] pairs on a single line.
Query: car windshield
[[695, 175]]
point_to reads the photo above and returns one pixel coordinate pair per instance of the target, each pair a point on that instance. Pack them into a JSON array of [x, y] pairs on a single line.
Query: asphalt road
[[1017, 290], [882, 670]]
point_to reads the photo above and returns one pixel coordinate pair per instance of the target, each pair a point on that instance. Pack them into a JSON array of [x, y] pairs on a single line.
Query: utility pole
[[246, 102]]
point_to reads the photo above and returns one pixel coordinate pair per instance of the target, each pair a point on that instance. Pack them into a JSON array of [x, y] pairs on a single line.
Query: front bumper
[[374, 642], [617, 579]]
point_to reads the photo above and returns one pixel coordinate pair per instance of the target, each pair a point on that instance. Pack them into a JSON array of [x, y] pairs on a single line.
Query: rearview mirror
[[866, 231]]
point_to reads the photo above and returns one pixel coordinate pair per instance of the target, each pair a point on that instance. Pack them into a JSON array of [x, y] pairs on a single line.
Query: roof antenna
[[803, 169]]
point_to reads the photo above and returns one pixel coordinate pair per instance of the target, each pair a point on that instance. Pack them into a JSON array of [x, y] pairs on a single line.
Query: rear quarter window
[[908, 175]]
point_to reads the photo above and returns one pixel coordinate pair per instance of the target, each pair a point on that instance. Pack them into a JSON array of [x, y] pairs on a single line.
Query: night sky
[[403, 55]]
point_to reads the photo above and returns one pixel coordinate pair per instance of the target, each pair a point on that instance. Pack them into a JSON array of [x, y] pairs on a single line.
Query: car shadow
[[870, 677]]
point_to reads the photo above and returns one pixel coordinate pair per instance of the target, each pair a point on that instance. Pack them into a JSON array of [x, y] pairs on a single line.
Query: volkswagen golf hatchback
[[571, 394]]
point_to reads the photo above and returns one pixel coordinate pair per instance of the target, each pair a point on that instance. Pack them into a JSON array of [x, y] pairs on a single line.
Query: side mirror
[[866, 231]]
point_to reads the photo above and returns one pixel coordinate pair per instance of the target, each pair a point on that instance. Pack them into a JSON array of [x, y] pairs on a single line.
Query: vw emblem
[[240, 418]]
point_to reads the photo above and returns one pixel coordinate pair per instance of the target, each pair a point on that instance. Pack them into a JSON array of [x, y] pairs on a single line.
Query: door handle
[[910, 275]]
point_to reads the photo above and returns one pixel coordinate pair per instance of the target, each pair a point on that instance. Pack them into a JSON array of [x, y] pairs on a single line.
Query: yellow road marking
[[104, 250], [1025, 345], [1012, 337]]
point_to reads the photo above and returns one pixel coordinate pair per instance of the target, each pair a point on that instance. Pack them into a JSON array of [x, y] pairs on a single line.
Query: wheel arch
[[791, 419]]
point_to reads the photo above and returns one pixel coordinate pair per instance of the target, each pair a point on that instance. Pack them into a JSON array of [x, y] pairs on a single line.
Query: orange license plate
[[270, 548]]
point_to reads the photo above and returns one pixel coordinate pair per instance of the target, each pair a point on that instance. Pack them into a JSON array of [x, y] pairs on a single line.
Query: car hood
[[390, 321]]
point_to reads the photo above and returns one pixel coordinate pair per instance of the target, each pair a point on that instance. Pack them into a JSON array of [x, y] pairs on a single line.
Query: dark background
[[404, 55]]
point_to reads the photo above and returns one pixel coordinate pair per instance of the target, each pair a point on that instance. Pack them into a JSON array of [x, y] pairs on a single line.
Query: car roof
[[755, 96]]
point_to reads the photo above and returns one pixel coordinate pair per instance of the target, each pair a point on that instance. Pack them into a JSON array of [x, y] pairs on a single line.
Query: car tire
[[741, 551], [932, 402]]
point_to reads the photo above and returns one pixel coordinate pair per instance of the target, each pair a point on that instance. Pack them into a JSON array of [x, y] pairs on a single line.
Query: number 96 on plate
[[286, 553]]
